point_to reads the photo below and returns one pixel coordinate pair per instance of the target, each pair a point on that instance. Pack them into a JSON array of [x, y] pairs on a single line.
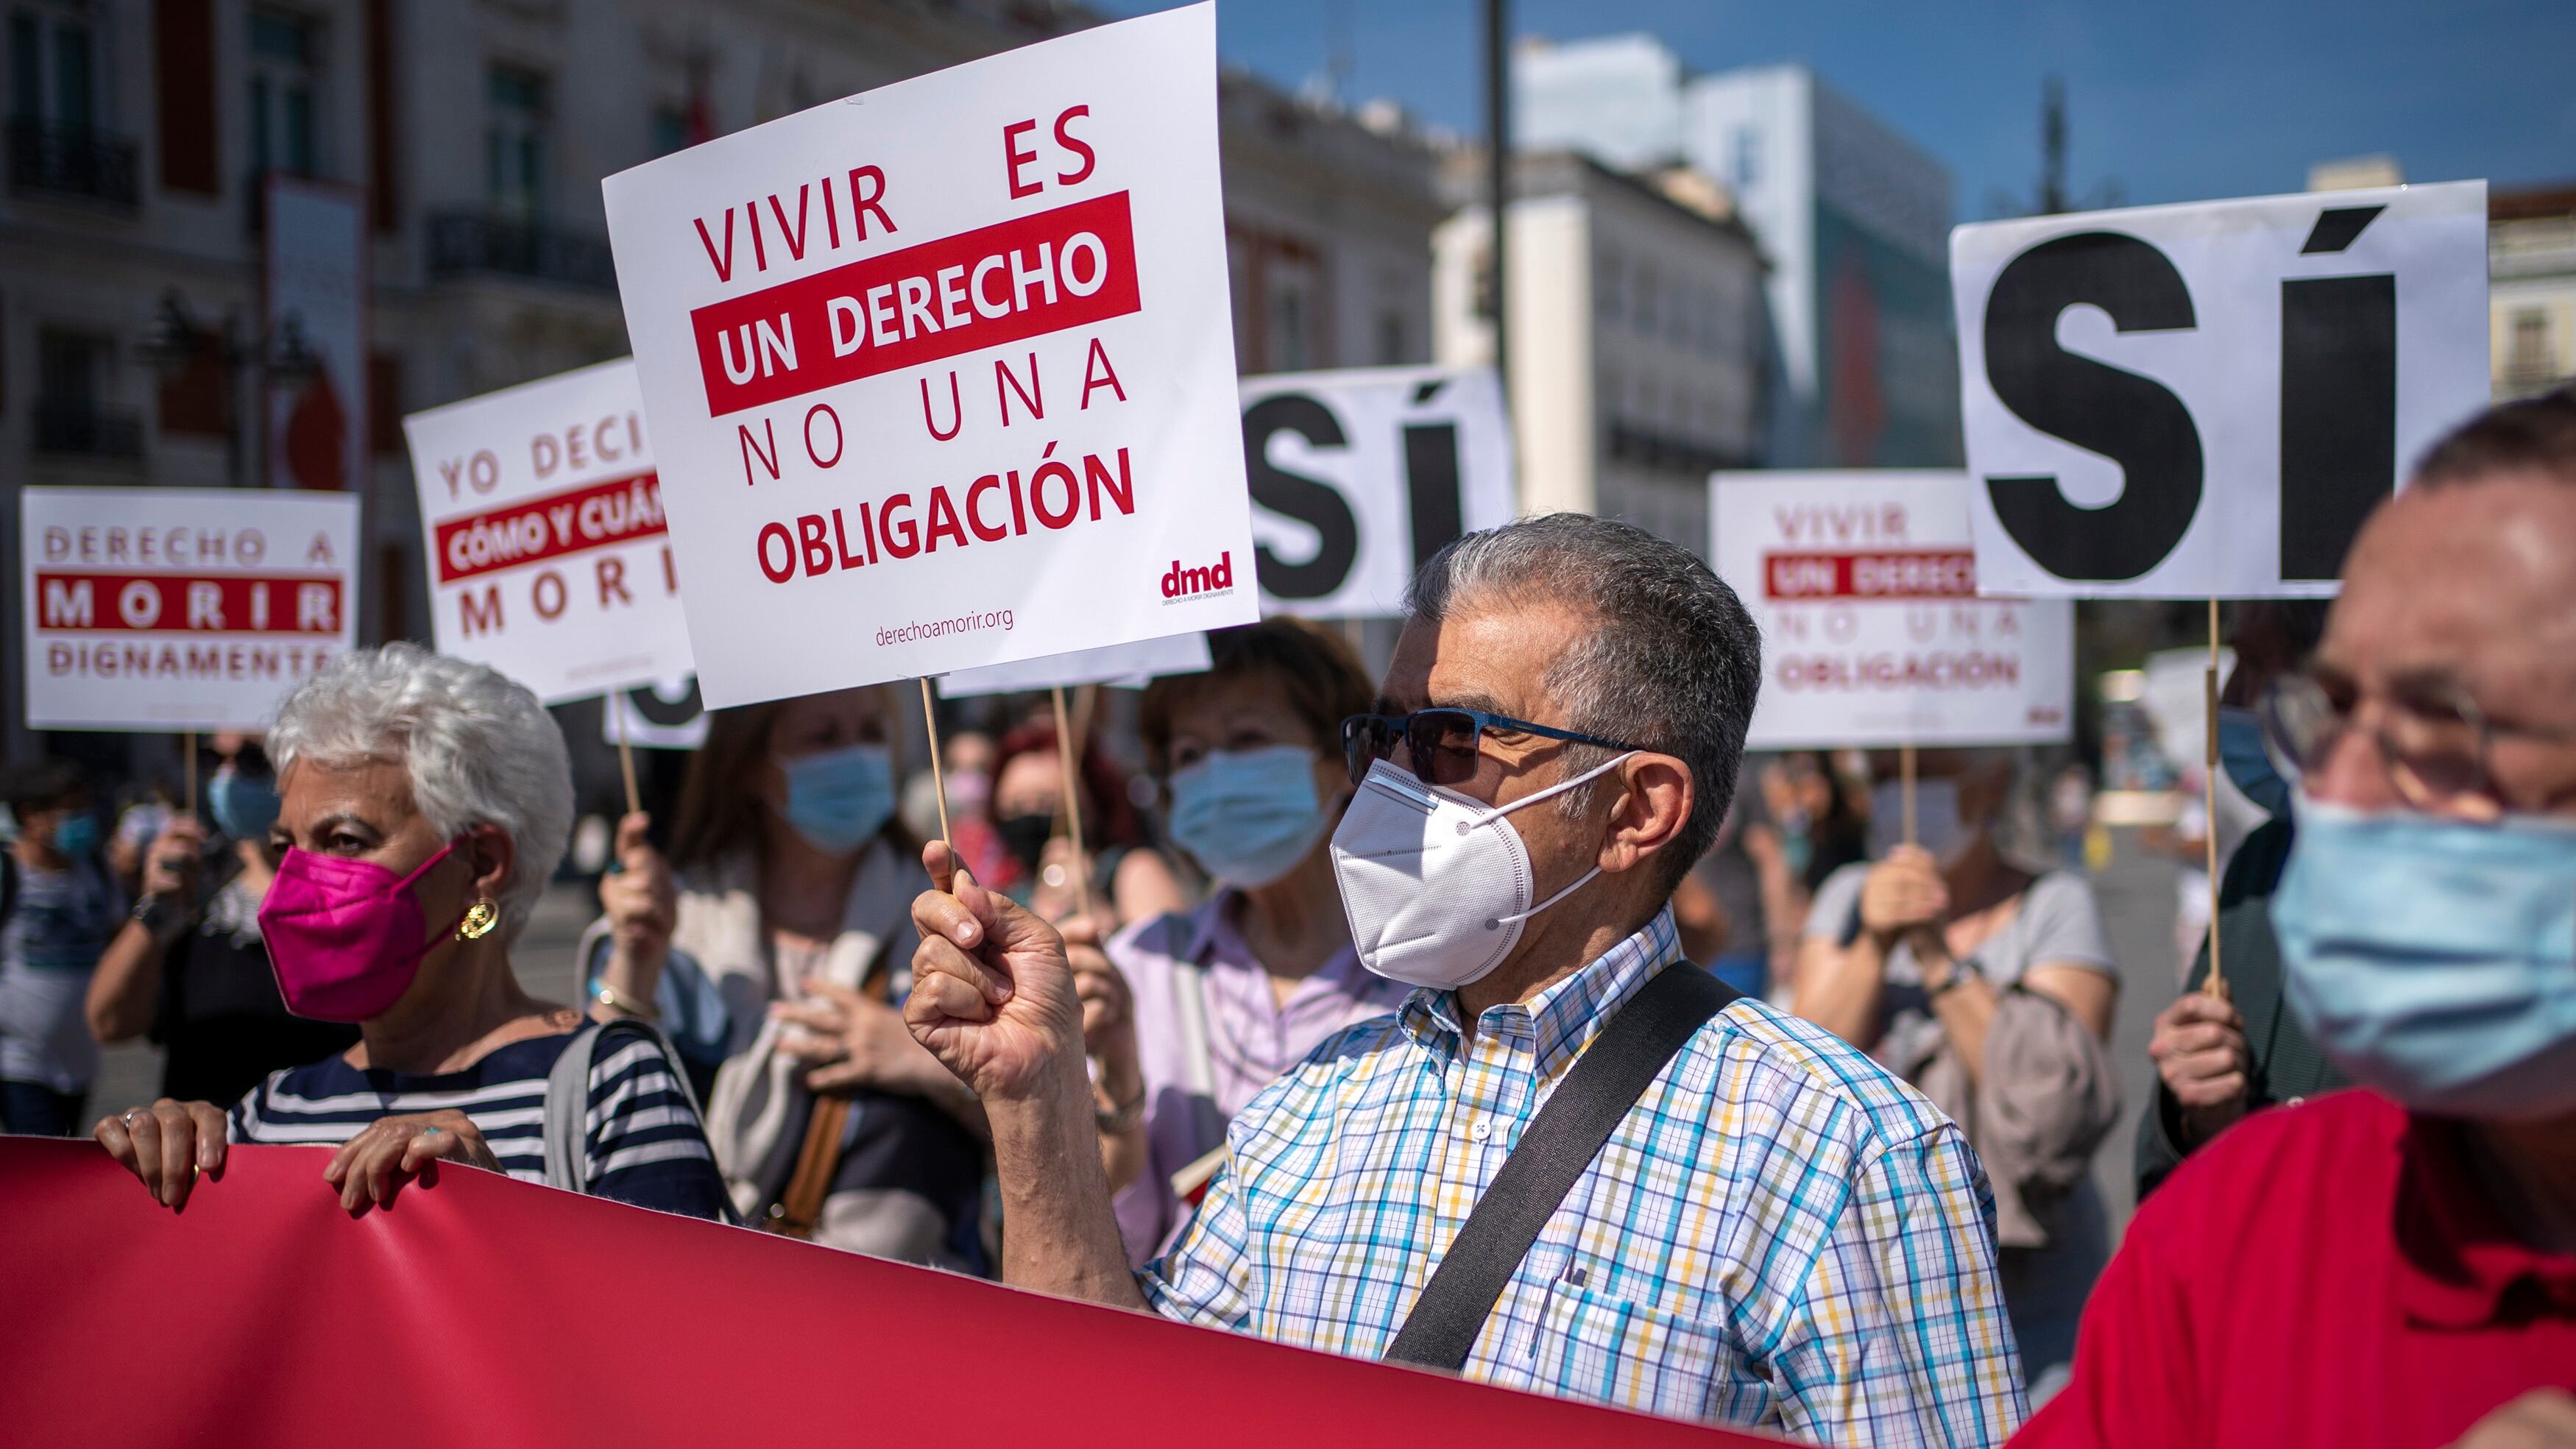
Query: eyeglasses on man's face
[[2436, 744], [1441, 744]]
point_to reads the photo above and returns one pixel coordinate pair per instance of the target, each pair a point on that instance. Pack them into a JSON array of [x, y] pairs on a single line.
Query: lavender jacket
[[1249, 1038]]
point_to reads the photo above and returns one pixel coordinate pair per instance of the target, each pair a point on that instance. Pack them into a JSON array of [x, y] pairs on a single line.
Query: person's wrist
[[635, 962], [2198, 1124], [161, 914], [1059, 1084], [1120, 1074]]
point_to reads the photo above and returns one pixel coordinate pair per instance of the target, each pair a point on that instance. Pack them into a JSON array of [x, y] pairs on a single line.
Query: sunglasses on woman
[[1441, 743]]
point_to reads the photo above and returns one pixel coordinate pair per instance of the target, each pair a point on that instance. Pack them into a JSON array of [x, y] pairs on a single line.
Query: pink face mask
[[344, 936]]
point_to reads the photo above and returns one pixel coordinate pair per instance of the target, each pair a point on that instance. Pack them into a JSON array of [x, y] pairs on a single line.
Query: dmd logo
[[1181, 583]]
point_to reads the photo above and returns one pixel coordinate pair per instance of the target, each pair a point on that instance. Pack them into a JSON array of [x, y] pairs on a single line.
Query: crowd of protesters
[[1250, 1046]]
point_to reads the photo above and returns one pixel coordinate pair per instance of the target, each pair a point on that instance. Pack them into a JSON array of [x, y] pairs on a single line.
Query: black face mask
[[1025, 836]]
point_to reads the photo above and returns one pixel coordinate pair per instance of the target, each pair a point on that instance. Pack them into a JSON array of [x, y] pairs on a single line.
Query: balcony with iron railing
[[77, 162], [86, 430], [477, 242]]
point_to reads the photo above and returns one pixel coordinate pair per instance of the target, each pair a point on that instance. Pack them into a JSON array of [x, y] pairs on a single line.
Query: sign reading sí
[[178, 609], [2205, 401], [1359, 476], [549, 554], [941, 375], [1873, 633]]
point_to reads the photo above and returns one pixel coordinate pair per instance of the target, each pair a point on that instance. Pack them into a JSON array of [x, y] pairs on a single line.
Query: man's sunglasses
[[1442, 743]]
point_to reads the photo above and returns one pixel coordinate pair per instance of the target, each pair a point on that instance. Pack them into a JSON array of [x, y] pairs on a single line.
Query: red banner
[[178, 604], [596, 515], [478, 1310], [1012, 280], [1905, 573]]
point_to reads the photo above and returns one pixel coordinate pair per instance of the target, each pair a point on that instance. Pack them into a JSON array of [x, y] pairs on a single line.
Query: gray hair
[[1671, 663], [479, 748]]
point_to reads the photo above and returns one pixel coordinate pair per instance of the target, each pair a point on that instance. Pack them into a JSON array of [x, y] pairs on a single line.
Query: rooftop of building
[[2531, 203], [1682, 194]]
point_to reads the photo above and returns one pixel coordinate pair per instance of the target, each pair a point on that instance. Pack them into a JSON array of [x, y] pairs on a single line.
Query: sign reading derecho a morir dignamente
[[180, 608], [942, 375]]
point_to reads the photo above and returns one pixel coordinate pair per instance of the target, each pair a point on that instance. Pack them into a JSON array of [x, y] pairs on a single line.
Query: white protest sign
[[1359, 476], [542, 518], [2204, 401], [942, 375], [664, 715], [1865, 588], [180, 608], [1125, 666]]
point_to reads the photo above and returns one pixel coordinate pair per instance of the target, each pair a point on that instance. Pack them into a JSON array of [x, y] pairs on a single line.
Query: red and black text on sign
[[1920, 573], [178, 604], [597, 515], [1021, 278]]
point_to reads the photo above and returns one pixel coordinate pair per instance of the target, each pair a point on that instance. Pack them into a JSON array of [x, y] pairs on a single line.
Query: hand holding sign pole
[[2267, 369]]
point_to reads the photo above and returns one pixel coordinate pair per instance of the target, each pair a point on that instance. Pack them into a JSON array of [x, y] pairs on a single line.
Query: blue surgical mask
[[2435, 960], [837, 799], [244, 806], [2248, 762], [1248, 815], [76, 834]]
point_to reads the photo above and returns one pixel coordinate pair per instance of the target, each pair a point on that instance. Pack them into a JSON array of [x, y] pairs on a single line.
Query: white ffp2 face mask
[[1437, 885]]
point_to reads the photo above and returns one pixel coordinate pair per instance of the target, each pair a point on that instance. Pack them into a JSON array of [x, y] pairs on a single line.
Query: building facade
[[473, 135], [1640, 348], [2531, 280], [1854, 218]]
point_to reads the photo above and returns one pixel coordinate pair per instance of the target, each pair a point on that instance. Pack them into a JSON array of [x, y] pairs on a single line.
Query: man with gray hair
[[1758, 1226]]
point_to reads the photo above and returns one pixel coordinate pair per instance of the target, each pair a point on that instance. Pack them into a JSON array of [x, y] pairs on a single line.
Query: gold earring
[[480, 918]]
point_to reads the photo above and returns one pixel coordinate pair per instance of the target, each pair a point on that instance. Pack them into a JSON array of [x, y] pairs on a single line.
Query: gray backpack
[[568, 1094]]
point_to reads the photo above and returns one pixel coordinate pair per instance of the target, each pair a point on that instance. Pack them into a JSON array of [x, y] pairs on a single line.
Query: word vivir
[[1217, 578], [1016, 279], [994, 507]]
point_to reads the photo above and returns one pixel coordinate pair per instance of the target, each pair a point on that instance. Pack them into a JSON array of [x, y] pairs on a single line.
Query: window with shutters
[[183, 58], [285, 93], [514, 141], [53, 68], [2530, 360]]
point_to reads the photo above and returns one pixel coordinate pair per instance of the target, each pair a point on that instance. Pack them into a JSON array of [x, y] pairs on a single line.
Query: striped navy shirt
[[644, 1145]]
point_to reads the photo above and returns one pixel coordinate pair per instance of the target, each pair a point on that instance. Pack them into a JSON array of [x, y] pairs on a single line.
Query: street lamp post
[[1498, 175], [179, 340]]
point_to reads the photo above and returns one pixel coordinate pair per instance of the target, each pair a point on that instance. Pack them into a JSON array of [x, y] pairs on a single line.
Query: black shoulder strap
[[8, 884], [1604, 1083]]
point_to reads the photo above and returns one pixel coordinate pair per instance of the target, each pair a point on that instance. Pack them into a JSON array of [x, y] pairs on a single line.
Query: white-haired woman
[[425, 801]]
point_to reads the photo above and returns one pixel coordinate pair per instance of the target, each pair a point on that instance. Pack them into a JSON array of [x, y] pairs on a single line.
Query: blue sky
[[2177, 99]]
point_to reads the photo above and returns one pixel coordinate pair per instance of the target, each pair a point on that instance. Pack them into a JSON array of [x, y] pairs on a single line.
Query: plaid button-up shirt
[[1780, 1234]]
